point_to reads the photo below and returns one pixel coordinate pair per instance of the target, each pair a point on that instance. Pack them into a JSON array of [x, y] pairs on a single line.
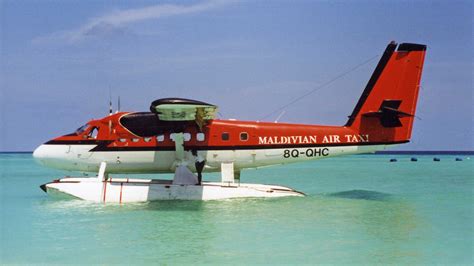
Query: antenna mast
[[110, 101], [118, 105]]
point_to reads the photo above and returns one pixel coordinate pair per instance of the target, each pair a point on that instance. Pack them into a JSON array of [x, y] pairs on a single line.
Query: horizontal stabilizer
[[388, 113], [387, 110]]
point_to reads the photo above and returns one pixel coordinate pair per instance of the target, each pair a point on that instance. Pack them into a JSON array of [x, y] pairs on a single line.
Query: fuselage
[[182, 131], [141, 143]]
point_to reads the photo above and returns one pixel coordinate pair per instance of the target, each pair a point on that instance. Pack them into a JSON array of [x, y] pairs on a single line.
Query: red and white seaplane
[[182, 136]]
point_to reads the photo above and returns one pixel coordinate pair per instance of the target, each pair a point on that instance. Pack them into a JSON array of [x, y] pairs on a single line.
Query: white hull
[[79, 158], [120, 190]]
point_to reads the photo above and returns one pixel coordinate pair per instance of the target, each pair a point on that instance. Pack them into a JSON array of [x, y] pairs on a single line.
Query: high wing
[[178, 109]]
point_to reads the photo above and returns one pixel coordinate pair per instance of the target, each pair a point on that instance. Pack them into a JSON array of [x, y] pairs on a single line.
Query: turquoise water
[[359, 210]]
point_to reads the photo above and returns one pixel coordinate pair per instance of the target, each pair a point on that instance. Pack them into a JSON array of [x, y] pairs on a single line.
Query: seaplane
[[184, 137]]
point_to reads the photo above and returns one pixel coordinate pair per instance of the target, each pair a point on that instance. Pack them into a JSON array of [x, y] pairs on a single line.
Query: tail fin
[[386, 109]]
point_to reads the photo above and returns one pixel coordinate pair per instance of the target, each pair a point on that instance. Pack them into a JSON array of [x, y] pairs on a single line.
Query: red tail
[[387, 106]]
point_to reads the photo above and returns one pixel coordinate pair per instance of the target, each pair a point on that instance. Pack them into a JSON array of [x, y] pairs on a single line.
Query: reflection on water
[[344, 223], [382, 221], [362, 194], [314, 228], [175, 205]]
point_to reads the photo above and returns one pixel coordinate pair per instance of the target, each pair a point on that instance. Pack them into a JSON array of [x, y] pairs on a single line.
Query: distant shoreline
[[376, 153], [9, 152], [427, 152]]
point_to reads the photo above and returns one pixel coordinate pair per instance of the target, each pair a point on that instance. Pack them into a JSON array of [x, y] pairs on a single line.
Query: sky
[[60, 60]]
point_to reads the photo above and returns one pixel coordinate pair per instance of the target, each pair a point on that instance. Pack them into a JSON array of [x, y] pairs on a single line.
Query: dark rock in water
[[458, 159], [413, 159], [436, 159], [362, 194], [393, 160]]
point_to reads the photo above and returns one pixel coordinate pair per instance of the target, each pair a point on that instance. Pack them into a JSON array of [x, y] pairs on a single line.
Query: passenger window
[[135, 140], [160, 138], [122, 140], [93, 133], [147, 139], [200, 136], [244, 136], [187, 136], [225, 136]]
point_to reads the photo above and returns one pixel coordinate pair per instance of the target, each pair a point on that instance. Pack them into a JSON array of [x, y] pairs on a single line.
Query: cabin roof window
[[244, 136], [143, 124], [225, 136], [200, 136]]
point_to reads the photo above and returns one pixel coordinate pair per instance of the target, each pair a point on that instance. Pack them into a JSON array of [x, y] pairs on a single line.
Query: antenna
[[110, 101], [118, 105], [279, 116]]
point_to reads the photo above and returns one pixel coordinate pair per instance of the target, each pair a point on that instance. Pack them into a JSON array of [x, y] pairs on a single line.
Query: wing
[[177, 109]]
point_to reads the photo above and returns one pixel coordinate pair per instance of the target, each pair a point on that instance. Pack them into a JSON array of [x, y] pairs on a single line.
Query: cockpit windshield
[[81, 129]]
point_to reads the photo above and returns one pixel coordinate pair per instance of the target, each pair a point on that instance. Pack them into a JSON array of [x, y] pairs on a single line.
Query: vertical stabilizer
[[386, 109]]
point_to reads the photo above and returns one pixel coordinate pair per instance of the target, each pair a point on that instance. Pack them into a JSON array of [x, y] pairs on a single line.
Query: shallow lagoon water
[[359, 210]]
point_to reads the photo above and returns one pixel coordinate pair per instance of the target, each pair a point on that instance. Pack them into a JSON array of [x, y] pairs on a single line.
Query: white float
[[120, 190]]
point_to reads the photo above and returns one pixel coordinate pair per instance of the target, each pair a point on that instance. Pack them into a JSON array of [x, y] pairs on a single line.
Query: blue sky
[[59, 58]]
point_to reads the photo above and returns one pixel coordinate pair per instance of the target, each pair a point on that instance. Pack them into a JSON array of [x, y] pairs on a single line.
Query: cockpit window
[[82, 129], [93, 133]]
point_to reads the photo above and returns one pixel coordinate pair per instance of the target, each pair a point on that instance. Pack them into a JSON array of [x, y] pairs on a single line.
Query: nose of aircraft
[[51, 156], [55, 156], [40, 154]]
